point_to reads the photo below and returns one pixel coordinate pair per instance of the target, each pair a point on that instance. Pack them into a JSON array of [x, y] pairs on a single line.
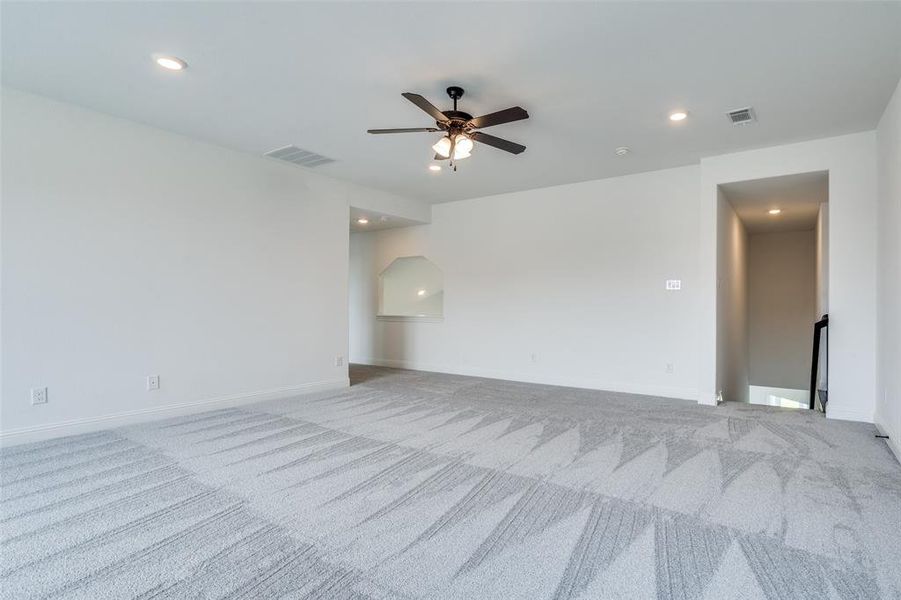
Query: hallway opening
[[772, 287]]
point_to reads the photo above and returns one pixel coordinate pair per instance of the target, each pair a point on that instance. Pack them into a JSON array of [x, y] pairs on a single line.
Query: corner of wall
[[888, 376]]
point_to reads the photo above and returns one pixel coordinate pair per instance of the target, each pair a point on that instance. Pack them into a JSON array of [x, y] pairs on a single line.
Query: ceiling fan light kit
[[462, 147], [459, 128]]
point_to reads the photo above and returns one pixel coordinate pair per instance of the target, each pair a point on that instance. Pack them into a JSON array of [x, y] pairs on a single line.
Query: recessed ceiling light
[[774, 211], [362, 220], [679, 115], [622, 150], [434, 167], [420, 293], [173, 63]]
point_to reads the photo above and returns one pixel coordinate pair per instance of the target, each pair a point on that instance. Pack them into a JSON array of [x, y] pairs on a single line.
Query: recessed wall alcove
[[411, 288]]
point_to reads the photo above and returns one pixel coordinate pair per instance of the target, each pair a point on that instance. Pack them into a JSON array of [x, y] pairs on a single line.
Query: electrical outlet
[[669, 367], [153, 382], [39, 395], [673, 285], [339, 361]]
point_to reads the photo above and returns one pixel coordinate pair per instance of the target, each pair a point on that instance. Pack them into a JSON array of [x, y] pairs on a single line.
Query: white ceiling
[[799, 197], [593, 76]]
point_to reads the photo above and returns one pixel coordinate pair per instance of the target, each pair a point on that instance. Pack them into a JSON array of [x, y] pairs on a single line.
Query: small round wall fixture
[[623, 150], [171, 63]]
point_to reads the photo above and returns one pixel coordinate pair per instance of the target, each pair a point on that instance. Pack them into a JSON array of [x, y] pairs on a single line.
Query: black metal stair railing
[[818, 328]]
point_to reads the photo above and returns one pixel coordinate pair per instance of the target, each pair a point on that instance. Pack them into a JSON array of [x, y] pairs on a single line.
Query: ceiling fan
[[460, 127]]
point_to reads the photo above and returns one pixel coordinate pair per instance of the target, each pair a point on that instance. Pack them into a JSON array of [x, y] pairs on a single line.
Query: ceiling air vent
[[299, 156], [742, 116]]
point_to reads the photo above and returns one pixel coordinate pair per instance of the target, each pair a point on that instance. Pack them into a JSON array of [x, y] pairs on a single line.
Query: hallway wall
[[731, 303], [821, 234], [781, 307], [888, 395]]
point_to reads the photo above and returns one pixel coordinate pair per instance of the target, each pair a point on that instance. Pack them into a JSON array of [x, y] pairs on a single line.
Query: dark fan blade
[[408, 130], [425, 105], [507, 115], [497, 142]]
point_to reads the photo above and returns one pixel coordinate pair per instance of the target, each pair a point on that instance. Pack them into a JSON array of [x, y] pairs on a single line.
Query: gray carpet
[[417, 485]]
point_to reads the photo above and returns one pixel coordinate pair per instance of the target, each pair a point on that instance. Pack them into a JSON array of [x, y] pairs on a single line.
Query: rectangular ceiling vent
[[299, 156], [742, 116]]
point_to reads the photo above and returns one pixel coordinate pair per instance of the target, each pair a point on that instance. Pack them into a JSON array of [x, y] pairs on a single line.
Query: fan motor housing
[[457, 115]]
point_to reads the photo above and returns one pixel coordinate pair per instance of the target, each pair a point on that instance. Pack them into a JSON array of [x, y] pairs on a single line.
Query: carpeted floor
[[419, 485]]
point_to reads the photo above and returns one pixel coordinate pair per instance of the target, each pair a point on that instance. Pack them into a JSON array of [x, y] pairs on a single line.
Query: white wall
[[888, 405], [781, 308], [851, 163], [363, 295], [573, 275], [129, 251], [731, 304], [821, 231]]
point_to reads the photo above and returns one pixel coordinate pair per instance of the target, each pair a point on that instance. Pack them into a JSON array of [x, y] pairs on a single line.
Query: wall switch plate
[[153, 382], [339, 361], [39, 395], [534, 358], [673, 284], [669, 367]]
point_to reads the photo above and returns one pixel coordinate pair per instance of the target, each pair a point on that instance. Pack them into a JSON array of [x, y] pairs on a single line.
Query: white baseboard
[[575, 382], [847, 415], [36, 433], [709, 398], [892, 441]]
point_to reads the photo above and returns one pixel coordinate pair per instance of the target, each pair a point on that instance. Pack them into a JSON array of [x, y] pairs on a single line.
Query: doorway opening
[[388, 287], [772, 289]]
